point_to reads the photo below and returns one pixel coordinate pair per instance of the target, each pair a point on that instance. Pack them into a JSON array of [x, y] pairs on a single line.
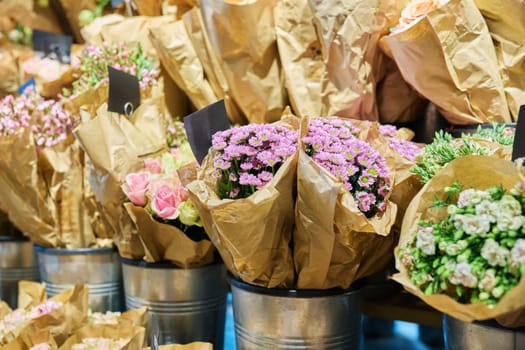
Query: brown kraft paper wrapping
[[163, 242], [210, 63], [134, 335], [478, 172], [190, 346], [43, 191], [449, 58], [27, 341], [60, 322], [300, 55], [31, 294], [176, 53], [115, 145], [334, 243], [507, 28], [243, 37], [251, 234], [350, 31]]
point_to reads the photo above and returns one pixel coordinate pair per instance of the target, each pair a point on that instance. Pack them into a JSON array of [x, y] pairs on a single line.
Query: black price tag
[[201, 125], [51, 45], [518, 149], [124, 92]]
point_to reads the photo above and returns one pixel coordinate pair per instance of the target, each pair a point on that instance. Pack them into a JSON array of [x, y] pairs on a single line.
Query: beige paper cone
[[30, 294], [243, 37], [210, 63], [478, 172], [132, 334], [164, 242], [507, 28], [300, 55], [176, 53], [251, 234], [349, 32], [460, 76]]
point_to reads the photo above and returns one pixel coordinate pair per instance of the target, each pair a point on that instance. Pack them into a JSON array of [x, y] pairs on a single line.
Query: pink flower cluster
[[17, 317], [161, 193], [332, 144], [49, 122], [249, 156], [407, 149], [100, 344], [94, 60]]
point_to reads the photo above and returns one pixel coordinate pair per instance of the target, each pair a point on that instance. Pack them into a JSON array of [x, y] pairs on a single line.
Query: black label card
[[518, 149], [201, 125], [55, 46], [124, 92]]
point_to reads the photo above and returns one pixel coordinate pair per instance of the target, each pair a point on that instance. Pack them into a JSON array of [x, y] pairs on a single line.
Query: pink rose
[[153, 165], [136, 186], [166, 200], [417, 9]]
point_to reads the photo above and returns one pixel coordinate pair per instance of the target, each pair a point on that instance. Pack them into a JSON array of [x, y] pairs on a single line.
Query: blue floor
[[405, 336]]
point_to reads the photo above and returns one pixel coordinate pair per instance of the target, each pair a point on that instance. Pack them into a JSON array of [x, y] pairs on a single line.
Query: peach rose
[[417, 9]]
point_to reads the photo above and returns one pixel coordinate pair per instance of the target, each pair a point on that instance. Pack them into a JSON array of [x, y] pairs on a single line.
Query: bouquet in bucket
[[463, 240], [42, 187], [244, 194], [343, 213], [168, 223]]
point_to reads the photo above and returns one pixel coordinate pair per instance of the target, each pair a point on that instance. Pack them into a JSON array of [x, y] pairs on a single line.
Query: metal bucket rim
[[292, 293], [162, 264], [14, 239], [490, 323], [73, 251]]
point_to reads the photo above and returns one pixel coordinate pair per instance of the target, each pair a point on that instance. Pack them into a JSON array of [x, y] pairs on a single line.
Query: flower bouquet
[[496, 142], [59, 315], [90, 88], [167, 221], [42, 182], [343, 212], [114, 145], [462, 76], [244, 194], [106, 337], [463, 240]]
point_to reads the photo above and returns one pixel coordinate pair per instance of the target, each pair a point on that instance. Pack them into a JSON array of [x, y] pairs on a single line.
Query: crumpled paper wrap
[[449, 58], [31, 294], [28, 13], [210, 63], [115, 144], [478, 172], [163, 242], [10, 70], [133, 334], [190, 346], [507, 28], [349, 33], [178, 56], [300, 55], [242, 35], [43, 191], [60, 322], [27, 341], [251, 234], [334, 242]]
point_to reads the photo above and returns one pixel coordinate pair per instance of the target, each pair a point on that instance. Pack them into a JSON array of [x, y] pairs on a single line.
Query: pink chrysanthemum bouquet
[[343, 212], [245, 196], [42, 177]]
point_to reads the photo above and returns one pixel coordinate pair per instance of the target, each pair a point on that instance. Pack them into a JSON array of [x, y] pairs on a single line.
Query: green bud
[[85, 17], [497, 292], [462, 244], [188, 214], [513, 233], [428, 289], [483, 296]]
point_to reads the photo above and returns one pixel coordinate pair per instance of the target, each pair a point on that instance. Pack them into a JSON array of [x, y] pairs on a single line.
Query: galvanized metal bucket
[[98, 268], [488, 335], [189, 304], [17, 262], [295, 319]]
